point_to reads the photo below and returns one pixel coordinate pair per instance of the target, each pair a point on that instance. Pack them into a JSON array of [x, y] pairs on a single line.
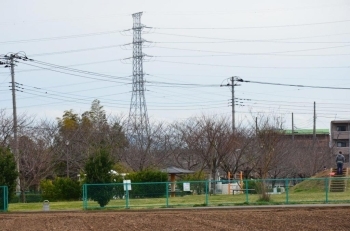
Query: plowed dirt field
[[308, 218]]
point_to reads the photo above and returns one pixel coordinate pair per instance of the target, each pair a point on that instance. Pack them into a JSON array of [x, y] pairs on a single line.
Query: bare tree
[[309, 157], [271, 149], [183, 136], [240, 156], [206, 142], [147, 150], [6, 128]]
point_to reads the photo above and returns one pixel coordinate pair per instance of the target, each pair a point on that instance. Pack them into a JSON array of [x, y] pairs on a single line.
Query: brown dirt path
[[312, 218]]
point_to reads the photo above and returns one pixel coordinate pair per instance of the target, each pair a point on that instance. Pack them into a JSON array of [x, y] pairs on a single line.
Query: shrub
[[252, 184], [150, 188], [30, 198], [199, 186], [48, 190], [97, 171], [60, 189], [8, 172]]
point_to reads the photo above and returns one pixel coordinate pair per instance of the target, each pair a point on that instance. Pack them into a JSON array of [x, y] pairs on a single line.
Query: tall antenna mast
[[138, 116]]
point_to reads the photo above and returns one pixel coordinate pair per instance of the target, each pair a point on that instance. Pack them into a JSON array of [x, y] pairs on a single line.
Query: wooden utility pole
[[292, 126], [314, 136]]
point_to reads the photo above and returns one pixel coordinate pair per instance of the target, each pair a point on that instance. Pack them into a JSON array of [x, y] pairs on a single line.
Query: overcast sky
[[202, 43]]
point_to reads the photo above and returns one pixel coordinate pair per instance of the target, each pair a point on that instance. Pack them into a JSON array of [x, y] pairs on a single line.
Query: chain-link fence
[[217, 193], [3, 198]]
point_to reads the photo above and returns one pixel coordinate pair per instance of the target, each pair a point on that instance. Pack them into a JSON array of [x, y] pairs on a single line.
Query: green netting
[[218, 193]]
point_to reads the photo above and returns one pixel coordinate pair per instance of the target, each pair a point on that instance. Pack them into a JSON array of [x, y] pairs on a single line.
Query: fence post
[[127, 196], [84, 196], [287, 190], [3, 198], [167, 193], [246, 191], [206, 193], [326, 184], [6, 198]]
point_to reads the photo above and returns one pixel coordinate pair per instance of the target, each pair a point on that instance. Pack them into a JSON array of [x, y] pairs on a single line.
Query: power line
[[172, 84], [262, 53], [61, 37], [74, 65], [252, 27], [295, 85], [77, 50], [247, 54], [258, 67], [243, 11], [109, 78], [229, 40]]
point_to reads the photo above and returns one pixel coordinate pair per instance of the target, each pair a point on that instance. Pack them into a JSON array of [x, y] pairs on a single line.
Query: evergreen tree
[[97, 170], [8, 171]]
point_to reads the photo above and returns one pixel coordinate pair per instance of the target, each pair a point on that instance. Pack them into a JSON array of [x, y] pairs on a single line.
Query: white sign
[[186, 187], [127, 185]]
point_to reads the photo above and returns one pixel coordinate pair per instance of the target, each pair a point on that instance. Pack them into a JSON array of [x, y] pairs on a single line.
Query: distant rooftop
[[175, 170], [340, 121], [308, 132]]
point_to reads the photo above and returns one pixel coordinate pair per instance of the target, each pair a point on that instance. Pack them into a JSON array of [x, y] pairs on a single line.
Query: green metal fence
[[3, 199], [216, 193]]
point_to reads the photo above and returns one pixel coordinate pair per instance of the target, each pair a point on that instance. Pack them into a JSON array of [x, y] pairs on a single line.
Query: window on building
[[341, 144], [341, 128]]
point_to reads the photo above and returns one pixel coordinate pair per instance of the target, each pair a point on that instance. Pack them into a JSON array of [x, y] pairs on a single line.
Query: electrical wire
[[230, 40], [61, 37], [83, 76], [262, 53], [253, 27], [255, 67], [294, 85], [74, 51]]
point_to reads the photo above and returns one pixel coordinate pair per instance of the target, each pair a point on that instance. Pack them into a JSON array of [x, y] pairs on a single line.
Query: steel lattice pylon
[[138, 117]]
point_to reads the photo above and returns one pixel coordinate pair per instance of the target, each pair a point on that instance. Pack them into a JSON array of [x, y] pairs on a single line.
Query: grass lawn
[[56, 206], [310, 191], [191, 201]]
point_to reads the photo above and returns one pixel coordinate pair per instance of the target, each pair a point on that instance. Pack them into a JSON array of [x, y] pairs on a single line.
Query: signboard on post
[[127, 185], [186, 187]]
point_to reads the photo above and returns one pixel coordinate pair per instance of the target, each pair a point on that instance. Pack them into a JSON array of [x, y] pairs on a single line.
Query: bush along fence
[[3, 198], [216, 193]]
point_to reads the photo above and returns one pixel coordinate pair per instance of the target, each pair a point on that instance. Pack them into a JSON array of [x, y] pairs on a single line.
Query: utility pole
[[233, 84], [13, 88], [67, 157], [314, 130], [292, 126], [233, 105], [9, 60], [138, 116]]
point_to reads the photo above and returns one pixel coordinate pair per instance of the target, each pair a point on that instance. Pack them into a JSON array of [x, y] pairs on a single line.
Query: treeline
[[205, 144]]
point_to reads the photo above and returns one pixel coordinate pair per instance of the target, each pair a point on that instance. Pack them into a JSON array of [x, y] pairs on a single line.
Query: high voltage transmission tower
[[138, 116]]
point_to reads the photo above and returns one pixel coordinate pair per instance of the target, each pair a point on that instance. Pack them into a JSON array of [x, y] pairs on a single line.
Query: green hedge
[[30, 198], [154, 188], [60, 189]]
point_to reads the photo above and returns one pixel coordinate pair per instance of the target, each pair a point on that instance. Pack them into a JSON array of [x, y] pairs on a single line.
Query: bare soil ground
[[308, 218]]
